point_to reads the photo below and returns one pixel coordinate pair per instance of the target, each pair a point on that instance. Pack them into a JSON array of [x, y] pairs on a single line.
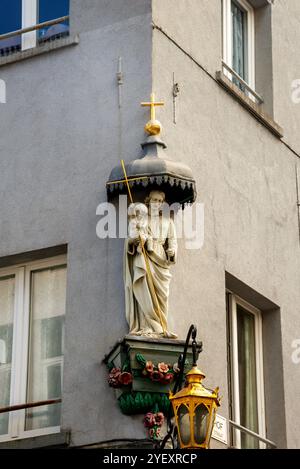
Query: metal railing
[[28, 405], [245, 85], [268, 443], [62, 19]]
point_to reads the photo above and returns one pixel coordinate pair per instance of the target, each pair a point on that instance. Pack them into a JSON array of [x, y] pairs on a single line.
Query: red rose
[[113, 377], [159, 419], [168, 378], [149, 420], [125, 378], [156, 376]]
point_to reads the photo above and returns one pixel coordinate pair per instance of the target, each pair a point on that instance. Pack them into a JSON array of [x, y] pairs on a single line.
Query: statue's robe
[[142, 314]]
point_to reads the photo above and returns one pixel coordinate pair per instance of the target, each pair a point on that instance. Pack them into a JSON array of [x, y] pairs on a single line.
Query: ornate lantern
[[195, 411], [194, 406]]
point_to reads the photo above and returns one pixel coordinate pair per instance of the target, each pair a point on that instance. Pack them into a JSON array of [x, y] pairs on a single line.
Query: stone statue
[[150, 249]]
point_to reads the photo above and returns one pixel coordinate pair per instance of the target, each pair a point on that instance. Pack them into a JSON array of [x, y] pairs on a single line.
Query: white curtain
[[48, 297], [247, 376], [239, 42], [7, 294]]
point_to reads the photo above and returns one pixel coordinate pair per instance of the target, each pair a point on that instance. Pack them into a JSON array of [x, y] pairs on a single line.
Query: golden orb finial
[[153, 126]]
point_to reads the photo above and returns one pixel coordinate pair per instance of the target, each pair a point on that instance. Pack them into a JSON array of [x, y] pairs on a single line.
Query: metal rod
[[255, 435], [298, 198], [175, 94], [120, 80], [34, 28], [245, 84], [182, 358], [28, 405]]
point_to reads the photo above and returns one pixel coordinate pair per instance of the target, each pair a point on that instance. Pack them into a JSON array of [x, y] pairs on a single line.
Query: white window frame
[[29, 18], [227, 38], [20, 349], [235, 300]]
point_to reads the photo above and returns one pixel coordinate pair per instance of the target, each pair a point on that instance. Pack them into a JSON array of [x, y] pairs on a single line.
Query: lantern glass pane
[[184, 424], [201, 421], [211, 423]]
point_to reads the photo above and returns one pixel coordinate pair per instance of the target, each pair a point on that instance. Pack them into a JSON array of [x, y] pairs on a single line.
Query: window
[[20, 14], [239, 41], [246, 371], [49, 10], [32, 309]]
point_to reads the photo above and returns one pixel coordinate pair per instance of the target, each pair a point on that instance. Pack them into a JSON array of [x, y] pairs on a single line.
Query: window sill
[[41, 49], [52, 440], [251, 106]]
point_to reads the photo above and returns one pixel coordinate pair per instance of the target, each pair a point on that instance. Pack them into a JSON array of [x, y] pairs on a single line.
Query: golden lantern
[[194, 406], [195, 410]]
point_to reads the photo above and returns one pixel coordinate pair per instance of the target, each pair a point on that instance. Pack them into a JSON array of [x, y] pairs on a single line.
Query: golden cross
[[152, 105]]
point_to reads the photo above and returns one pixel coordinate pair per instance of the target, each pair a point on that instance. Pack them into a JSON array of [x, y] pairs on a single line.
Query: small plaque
[[220, 429]]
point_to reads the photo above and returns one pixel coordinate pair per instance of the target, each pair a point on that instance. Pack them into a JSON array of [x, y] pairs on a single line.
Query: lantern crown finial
[[194, 376]]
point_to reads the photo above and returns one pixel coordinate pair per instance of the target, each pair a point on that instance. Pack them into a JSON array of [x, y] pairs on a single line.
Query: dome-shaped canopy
[[155, 171]]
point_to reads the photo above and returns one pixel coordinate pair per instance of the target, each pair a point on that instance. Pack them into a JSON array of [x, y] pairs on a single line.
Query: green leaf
[[140, 359], [126, 366]]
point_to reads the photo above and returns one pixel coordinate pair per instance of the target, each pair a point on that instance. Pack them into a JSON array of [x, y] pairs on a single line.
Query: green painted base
[[142, 394], [142, 402]]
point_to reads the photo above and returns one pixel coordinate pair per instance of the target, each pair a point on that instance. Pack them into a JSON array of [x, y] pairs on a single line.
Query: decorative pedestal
[[143, 371]]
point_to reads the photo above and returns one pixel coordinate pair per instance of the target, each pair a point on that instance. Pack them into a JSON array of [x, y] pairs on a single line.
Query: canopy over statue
[[154, 170]]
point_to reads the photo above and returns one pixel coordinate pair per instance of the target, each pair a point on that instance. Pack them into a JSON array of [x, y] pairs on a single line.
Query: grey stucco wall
[[246, 179], [62, 131], [286, 67]]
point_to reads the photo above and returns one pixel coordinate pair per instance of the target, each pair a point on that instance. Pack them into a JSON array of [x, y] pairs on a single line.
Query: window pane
[[48, 297], [10, 20], [7, 294], [50, 10], [239, 42], [247, 376]]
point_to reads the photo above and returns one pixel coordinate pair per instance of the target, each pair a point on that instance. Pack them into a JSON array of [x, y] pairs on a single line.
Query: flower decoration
[[156, 376], [153, 422], [149, 420], [167, 378], [149, 367], [117, 378], [163, 367], [163, 373], [125, 378], [113, 377], [159, 418], [154, 433]]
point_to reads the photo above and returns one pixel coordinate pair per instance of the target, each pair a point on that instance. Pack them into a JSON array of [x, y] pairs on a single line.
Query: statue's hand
[[171, 252], [136, 241]]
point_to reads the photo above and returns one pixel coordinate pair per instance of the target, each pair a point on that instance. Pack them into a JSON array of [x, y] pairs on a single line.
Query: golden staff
[[148, 270]]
